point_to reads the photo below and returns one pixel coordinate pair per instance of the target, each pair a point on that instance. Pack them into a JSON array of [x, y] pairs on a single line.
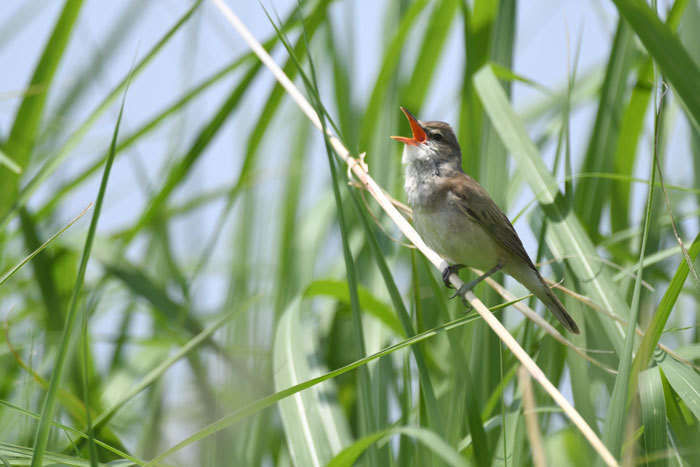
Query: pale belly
[[458, 239]]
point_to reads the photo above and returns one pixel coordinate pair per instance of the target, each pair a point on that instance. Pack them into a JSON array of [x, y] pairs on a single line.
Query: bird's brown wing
[[473, 201]]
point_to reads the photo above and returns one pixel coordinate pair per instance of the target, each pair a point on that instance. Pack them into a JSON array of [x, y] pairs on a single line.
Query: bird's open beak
[[419, 135]]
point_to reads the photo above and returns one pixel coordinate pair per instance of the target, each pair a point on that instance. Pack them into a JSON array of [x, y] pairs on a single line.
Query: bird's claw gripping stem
[[448, 271]]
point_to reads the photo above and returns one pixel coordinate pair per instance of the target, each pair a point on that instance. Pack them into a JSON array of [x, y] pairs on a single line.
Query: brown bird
[[458, 219]]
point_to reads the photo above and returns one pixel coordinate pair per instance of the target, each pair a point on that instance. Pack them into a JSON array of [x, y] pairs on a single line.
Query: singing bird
[[458, 219]]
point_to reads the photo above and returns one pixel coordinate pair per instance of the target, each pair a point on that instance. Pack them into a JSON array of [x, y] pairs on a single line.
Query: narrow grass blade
[[9, 163], [348, 457], [651, 393], [626, 381], [99, 58], [431, 49], [479, 21], [23, 134], [668, 301], [29, 257], [687, 434], [684, 380], [677, 66], [42, 431], [72, 431], [593, 193], [493, 156], [385, 77], [18, 455], [314, 425]]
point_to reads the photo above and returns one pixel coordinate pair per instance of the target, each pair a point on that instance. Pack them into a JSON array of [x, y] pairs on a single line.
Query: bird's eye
[[437, 137]]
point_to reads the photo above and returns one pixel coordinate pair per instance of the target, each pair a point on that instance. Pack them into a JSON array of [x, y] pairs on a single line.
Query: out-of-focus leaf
[[339, 290], [42, 430], [20, 143], [349, 456], [592, 193], [684, 380], [10, 164], [651, 393], [658, 322], [665, 47], [315, 426]]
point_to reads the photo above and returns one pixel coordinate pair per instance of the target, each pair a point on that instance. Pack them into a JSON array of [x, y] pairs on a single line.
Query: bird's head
[[433, 142]]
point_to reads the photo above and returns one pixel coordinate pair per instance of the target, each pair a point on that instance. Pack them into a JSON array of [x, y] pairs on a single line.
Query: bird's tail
[[545, 294], [531, 278]]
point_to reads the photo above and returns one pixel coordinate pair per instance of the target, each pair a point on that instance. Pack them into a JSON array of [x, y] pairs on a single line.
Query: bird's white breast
[[456, 237]]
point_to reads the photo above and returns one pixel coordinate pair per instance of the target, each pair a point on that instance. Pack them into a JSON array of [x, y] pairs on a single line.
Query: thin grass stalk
[[364, 386], [620, 401], [44, 426], [413, 236]]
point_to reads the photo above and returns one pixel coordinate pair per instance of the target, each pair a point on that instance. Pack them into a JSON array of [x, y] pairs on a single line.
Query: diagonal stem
[[413, 236]]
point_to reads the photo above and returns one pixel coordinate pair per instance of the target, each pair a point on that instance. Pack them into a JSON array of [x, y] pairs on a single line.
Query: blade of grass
[[16, 408], [47, 411], [656, 327], [10, 164], [348, 457], [668, 52], [29, 257], [593, 193], [181, 169], [43, 269], [478, 26], [651, 394], [23, 134], [492, 149], [432, 46], [370, 303], [315, 428], [385, 77], [85, 350], [257, 135], [151, 125], [626, 382], [426, 384], [687, 435], [21, 456], [463, 380], [101, 55], [685, 381]]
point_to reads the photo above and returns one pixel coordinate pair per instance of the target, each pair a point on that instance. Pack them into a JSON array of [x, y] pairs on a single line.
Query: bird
[[457, 218]]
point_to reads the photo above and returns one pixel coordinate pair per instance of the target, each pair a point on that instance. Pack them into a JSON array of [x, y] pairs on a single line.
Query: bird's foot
[[462, 291], [448, 271]]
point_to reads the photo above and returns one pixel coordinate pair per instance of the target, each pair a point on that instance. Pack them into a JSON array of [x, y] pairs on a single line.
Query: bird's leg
[[471, 284], [448, 271]]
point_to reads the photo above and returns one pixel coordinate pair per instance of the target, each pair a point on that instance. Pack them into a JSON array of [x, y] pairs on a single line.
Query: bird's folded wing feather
[[475, 202]]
